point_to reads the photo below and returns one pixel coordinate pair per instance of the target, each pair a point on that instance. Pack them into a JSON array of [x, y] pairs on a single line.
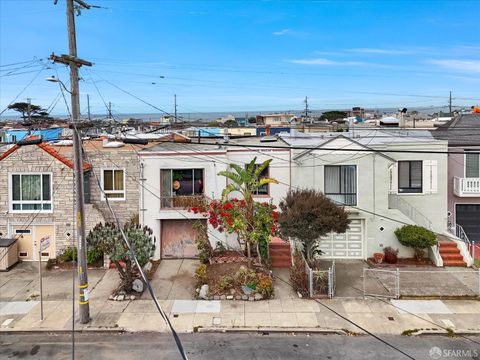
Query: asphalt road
[[233, 346]]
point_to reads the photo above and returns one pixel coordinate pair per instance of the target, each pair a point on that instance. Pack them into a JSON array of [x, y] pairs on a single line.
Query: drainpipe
[[142, 179], [374, 184]]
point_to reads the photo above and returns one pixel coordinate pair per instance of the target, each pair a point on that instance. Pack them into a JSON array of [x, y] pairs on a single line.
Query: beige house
[[37, 192]]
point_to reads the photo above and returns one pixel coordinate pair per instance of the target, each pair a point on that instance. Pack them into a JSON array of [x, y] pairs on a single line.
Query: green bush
[[70, 254], [225, 282], [201, 274], [416, 237], [93, 255]]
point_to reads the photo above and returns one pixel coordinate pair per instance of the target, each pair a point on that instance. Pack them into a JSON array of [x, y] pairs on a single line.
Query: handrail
[[397, 202]]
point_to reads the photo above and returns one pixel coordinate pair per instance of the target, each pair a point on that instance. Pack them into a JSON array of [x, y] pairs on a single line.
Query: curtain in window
[[31, 187], [416, 174], [16, 187], [472, 165], [349, 184], [332, 179], [108, 180], [404, 174], [118, 185]]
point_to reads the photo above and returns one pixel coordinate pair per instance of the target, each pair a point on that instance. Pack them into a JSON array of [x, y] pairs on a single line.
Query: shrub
[[298, 275], [201, 274], [94, 255], [204, 247], [306, 215], [265, 285], [391, 255], [244, 276], [416, 237], [225, 282], [70, 254]]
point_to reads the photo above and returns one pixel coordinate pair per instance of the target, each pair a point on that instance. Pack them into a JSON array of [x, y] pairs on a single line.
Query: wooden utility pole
[[88, 107], [110, 117], [74, 63], [450, 104], [175, 105]]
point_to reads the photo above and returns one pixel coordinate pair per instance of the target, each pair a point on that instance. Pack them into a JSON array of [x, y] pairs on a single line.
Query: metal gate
[[381, 283]]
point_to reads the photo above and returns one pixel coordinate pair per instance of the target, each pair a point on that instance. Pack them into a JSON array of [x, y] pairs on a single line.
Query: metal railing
[[397, 202], [321, 283], [466, 186], [181, 201], [460, 233]]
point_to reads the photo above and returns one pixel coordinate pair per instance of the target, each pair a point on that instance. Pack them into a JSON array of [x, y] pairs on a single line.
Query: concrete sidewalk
[[377, 316]]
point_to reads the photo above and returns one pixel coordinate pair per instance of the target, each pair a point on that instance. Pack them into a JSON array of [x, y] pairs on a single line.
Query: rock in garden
[[148, 267], [223, 297], [246, 290], [137, 285], [258, 297], [120, 297], [229, 297], [111, 297], [244, 297], [299, 295], [203, 292], [132, 297], [238, 297], [232, 291], [216, 297], [251, 298]]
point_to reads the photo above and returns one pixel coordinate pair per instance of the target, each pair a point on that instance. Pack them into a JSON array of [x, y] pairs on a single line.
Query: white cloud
[[327, 62], [379, 51], [461, 65], [282, 32]]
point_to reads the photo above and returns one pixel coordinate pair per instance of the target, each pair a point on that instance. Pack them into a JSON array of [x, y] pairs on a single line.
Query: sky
[[245, 55]]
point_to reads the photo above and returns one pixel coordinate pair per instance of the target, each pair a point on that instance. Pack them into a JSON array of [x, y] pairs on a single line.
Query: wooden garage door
[[468, 216], [345, 246], [178, 239]]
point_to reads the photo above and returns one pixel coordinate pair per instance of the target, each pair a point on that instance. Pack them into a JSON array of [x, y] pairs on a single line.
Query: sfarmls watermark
[[437, 353]]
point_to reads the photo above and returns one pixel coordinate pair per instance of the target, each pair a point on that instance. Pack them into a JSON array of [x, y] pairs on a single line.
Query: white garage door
[[345, 246]]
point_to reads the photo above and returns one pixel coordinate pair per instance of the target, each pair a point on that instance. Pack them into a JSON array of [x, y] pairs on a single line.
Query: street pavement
[[235, 346]]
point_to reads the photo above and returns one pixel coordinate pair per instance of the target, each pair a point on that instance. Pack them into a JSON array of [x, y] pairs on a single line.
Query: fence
[[321, 282], [396, 283]]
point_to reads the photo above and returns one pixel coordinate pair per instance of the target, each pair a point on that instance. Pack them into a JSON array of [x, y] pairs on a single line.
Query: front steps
[[280, 253], [450, 254]]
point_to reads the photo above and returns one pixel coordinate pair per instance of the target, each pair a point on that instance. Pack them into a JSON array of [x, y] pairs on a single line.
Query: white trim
[[357, 172], [10, 194], [124, 191]]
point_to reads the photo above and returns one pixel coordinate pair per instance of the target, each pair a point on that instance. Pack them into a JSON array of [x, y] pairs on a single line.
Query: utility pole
[[110, 110], [29, 109], [88, 107], [450, 104], [175, 105], [306, 108], [74, 63]]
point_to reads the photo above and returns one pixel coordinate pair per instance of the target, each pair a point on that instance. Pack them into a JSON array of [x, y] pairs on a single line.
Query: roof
[[463, 130], [51, 151]]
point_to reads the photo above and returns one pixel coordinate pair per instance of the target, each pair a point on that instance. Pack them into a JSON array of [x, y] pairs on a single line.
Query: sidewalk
[[273, 315]]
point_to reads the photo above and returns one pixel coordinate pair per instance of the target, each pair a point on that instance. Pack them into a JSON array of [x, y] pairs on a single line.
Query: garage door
[[178, 239], [468, 216], [29, 239], [345, 246]]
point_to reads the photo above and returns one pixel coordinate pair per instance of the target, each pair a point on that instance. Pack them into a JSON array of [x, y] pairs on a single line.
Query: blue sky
[[247, 55]]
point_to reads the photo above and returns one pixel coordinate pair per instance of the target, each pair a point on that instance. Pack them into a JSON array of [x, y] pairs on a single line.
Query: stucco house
[[37, 191], [463, 136], [175, 174], [381, 187]]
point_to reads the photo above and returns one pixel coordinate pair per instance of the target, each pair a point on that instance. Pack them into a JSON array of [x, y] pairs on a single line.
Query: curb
[[271, 330], [62, 332], [444, 333]]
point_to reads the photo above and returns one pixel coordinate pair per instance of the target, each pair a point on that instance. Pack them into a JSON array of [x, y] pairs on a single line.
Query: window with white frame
[[113, 182], [410, 176], [31, 192], [472, 165], [341, 184]]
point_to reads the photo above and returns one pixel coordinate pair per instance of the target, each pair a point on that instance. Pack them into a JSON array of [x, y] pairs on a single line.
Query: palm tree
[[246, 180]]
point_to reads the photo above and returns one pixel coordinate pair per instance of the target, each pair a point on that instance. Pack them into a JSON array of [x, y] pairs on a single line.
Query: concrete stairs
[[450, 253], [280, 253]]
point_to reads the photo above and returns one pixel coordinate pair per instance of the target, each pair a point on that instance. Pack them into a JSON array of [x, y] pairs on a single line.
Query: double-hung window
[[113, 181], [341, 184], [410, 177], [472, 165], [31, 192]]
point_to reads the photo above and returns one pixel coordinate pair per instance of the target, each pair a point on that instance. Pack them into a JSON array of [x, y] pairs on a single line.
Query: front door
[[45, 234], [29, 239], [468, 215]]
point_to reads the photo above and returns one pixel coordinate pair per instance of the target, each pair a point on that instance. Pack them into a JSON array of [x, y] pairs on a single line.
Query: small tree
[[108, 239], [416, 237], [306, 215]]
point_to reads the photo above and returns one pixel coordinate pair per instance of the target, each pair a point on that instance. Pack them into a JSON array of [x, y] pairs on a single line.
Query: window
[[472, 165], [31, 192], [410, 176], [114, 184], [341, 184], [263, 190], [180, 185]]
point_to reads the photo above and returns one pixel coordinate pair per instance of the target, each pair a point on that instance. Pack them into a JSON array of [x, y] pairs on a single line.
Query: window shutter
[[393, 179], [430, 176]]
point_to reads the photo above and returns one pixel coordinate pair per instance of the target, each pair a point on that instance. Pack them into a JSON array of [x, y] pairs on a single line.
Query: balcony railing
[[466, 187], [182, 201]]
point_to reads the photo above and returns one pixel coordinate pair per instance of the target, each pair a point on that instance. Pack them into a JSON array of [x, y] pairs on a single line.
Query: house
[[37, 191], [463, 136], [178, 175], [381, 187], [18, 134], [275, 119]]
